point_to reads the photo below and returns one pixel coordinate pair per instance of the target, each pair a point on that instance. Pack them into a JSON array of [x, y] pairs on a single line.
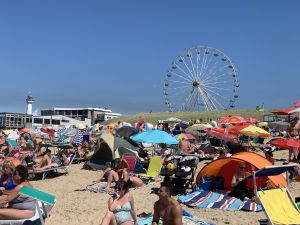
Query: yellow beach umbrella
[[262, 124], [9, 131], [251, 131], [80, 126]]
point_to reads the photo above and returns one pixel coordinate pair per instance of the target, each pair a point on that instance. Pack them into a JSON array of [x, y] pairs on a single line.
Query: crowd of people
[[29, 150]]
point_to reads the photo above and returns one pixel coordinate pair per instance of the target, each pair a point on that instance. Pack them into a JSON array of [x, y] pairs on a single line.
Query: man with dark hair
[[166, 208]]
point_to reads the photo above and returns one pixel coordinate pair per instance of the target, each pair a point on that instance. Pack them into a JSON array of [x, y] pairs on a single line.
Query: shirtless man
[[166, 208]]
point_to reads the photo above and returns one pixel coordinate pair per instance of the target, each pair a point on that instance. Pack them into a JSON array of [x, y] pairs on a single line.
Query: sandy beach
[[88, 208]]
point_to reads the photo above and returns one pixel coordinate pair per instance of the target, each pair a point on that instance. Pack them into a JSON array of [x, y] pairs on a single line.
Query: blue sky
[[116, 54]]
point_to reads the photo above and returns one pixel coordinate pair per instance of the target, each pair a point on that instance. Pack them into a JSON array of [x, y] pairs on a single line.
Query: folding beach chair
[[131, 161], [44, 204], [153, 168], [278, 204], [47, 171]]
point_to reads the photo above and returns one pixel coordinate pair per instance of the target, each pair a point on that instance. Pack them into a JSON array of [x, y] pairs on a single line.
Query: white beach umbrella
[[295, 111]]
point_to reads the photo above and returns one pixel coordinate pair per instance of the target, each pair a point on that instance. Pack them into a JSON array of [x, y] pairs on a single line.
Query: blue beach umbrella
[[154, 137]]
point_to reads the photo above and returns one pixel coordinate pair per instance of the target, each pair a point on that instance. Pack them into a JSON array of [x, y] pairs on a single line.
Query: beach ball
[[170, 166]]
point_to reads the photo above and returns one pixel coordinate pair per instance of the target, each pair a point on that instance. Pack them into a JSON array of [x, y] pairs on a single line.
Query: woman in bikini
[[13, 205], [120, 172], [120, 207], [239, 184], [6, 179]]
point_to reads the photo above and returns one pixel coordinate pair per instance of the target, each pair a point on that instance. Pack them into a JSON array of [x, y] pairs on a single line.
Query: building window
[[56, 122], [65, 121], [46, 121], [68, 112], [38, 120]]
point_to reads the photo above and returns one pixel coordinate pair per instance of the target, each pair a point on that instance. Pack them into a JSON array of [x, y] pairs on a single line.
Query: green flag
[[260, 107]]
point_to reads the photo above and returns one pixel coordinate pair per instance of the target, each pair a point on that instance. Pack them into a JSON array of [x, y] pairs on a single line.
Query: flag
[[35, 113], [296, 104], [260, 107]]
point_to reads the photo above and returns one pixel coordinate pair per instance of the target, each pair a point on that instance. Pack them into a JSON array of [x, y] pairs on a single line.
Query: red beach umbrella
[[232, 120]]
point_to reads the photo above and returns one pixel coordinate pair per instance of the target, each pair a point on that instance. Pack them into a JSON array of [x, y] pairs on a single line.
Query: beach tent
[[106, 151], [226, 167]]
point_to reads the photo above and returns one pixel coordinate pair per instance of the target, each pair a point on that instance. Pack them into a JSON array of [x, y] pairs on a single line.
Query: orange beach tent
[[226, 167]]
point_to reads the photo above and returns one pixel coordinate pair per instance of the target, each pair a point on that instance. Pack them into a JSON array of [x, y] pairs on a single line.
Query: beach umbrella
[[148, 126], [262, 124], [8, 131], [295, 111], [285, 143], [26, 130], [250, 131], [172, 119], [282, 111], [252, 120], [293, 142], [13, 136], [179, 137], [221, 133], [80, 126], [232, 120], [154, 137], [200, 126], [126, 124], [126, 131]]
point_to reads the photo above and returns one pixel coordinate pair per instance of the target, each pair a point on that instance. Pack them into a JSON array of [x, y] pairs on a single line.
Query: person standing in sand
[[166, 208]]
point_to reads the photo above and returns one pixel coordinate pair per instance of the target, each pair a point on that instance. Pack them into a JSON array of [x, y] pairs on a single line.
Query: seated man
[[167, 208]]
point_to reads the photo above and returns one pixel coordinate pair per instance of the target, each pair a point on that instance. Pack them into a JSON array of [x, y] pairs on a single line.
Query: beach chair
[[54, 169], [44, 204], [278, 204], [153, 168], [131, 161]]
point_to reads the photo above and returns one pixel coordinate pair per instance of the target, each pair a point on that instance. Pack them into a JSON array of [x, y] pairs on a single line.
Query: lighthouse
[[29, 101]]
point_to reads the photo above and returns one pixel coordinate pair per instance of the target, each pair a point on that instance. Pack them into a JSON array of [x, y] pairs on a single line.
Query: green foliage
[[186, 116]]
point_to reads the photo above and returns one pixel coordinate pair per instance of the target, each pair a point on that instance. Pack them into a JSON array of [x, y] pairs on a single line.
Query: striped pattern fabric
[[78, 138], [209, 199], [70, 132]]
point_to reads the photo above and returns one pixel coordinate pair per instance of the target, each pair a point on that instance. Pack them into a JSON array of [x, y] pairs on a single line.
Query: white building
[[56, 121], [94, 114]]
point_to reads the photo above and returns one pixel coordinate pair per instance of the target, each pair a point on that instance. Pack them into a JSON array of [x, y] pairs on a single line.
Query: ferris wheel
[[201, 79]]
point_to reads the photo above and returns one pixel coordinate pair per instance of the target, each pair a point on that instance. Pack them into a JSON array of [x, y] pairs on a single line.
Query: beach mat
[[99, 188], [209, 199], [186, 220]]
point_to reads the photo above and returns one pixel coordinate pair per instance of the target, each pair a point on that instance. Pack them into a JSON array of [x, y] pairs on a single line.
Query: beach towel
[[99, 188], [209, 199], [186, 220]]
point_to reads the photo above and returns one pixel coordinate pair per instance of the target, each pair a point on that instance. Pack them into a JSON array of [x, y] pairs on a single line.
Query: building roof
[[23, 114], [88, 108]]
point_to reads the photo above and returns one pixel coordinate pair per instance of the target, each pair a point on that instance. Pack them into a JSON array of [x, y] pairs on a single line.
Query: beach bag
[[218, 183], [205, 184]]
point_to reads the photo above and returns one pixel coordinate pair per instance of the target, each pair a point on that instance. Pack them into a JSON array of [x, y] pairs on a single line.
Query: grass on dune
[[186, 116]]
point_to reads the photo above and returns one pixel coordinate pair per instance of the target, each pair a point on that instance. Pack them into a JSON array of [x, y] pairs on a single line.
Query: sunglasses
[[241, 167]]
